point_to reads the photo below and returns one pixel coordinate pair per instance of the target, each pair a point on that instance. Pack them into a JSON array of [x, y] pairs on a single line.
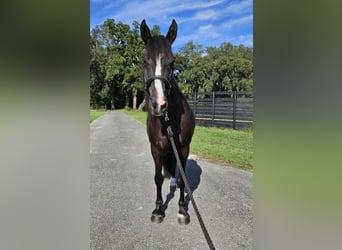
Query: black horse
[[163, 96]]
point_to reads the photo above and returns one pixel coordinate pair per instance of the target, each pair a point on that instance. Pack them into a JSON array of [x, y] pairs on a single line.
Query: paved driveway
[[123, 195]]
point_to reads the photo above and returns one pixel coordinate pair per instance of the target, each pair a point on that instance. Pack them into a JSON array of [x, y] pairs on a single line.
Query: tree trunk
[[127, 102], [142, 105], [135, 102], [112, 96], [112, 105]]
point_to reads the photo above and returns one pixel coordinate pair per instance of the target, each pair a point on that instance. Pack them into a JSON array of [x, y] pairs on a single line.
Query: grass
[[223, 145], [95, 114], [137, 115]]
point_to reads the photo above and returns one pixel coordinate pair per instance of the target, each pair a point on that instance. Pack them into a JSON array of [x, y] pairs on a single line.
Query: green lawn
[[228, 146], [224, 145], [137, 115], [95, 114]]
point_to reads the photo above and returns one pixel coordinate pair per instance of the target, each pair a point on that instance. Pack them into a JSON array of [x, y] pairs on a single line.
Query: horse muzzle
[[159, 108]]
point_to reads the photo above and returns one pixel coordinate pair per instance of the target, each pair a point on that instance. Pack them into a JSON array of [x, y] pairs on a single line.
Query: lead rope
[[187, 186]]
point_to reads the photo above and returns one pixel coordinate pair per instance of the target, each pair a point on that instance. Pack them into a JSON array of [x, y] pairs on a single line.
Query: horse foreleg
[[158, 213]]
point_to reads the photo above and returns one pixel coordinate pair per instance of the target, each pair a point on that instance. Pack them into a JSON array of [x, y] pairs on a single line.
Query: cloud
[[205, 15], [246, 40], [241, 6], [208, 31], [191, 5], [203, 36], [220, 12], [237, 22], [208, 23], [155, 10], [200, 16]]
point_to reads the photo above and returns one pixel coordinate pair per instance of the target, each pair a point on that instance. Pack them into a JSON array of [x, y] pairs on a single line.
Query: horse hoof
[[157, 217], [183, 219]]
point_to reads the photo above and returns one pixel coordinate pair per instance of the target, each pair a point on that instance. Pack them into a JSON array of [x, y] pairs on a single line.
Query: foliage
[[214, 69], [116, 52], [115, 64]]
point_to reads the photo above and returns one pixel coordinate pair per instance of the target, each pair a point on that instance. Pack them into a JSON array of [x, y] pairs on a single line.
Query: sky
[[205, 22]]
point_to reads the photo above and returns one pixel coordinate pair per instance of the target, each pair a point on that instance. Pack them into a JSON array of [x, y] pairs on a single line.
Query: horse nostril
[[163, 107], [154, 105]]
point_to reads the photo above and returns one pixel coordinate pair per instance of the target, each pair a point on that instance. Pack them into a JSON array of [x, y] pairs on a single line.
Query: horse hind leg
[[169, 170], [183, 217], [173, 183], [175, 174]]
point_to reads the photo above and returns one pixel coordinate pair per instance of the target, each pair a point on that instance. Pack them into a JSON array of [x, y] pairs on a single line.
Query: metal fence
[[223, 109]]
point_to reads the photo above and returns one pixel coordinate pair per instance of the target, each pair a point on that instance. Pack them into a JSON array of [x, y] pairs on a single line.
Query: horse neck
[[177, 96]]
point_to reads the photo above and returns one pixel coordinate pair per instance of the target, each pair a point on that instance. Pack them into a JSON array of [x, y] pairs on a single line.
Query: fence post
[[213, 110], [234, 108], [195, 103]]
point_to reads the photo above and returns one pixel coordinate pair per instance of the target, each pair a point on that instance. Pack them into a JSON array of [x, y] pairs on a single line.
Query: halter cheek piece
[[166, 81]]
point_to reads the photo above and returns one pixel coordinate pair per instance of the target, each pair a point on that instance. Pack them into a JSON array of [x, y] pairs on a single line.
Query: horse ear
[[171, 35], [145, 32]]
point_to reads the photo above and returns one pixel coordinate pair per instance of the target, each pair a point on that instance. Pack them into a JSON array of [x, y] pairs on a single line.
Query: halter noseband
[[166, 81]]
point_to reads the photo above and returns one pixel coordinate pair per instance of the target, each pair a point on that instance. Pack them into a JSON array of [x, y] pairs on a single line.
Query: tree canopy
[[116, 53]]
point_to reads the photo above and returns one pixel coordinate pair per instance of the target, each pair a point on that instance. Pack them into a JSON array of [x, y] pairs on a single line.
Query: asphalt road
[[122, 195]]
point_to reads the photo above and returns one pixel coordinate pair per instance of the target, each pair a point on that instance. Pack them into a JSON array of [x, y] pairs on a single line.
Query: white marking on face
[[158, 84]]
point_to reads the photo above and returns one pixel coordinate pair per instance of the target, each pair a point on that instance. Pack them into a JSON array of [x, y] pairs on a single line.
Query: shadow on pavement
[[193, 173]]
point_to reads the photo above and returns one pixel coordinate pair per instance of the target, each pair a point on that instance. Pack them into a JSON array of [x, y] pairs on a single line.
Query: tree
[[116, 43], [116, 52], [189, 68], [214, 69], [132, 82], [97, 72], [116, 64]]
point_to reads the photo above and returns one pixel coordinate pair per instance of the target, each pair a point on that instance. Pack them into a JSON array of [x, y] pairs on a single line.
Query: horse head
[[158, 67]]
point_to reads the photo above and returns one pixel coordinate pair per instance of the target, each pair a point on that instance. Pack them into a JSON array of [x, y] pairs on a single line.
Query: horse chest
[[162, 143]]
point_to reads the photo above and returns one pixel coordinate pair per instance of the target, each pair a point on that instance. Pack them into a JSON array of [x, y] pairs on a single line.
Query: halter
[[166, 81]]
